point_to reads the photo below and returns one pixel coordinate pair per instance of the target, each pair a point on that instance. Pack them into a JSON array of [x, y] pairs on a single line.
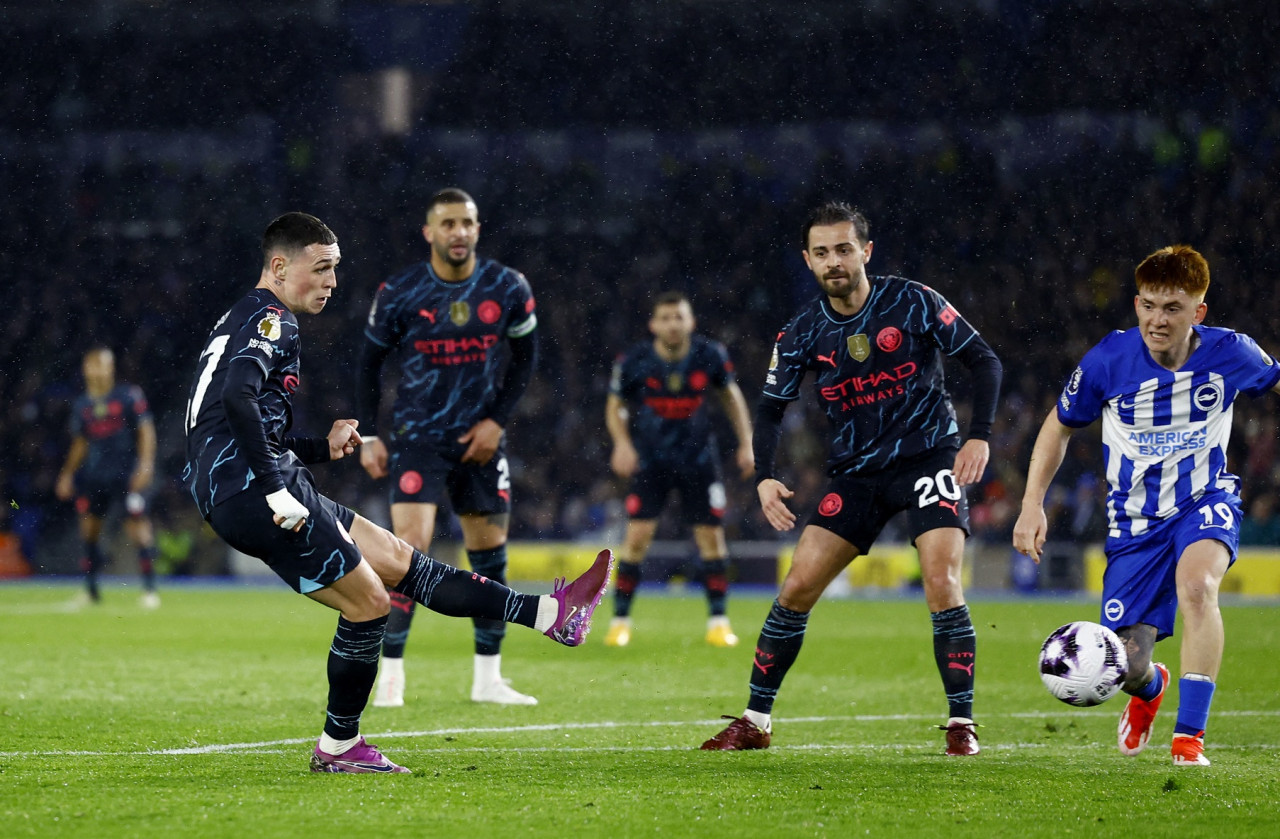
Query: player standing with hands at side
[[662, 440], [251, 484], [1165, 392], [875, 346], [452, 323], [113, 455]]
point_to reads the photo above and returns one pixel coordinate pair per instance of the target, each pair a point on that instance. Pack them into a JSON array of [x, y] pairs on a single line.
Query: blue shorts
[[700, 488], [1140, 583], [431, 473], [318, 555]]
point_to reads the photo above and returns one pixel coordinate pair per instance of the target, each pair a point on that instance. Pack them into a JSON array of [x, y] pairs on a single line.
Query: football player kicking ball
[[250, 482], [1165, 392], [875, 346]]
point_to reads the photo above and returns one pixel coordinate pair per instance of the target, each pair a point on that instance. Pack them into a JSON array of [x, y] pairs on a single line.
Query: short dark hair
[[293, 232], [670, 298], [834, 212], [449, 195]]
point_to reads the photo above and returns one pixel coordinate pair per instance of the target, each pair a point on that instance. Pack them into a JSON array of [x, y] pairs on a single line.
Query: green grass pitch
[[197, 720]]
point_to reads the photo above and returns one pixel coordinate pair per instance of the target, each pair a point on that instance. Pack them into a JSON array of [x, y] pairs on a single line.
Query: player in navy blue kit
[[1165, 392], [875, 347], [663, 441], [461, 329], [250, 480], [112, 457]]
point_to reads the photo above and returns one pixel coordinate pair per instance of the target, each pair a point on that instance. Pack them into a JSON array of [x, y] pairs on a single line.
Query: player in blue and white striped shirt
[[1165, 393]]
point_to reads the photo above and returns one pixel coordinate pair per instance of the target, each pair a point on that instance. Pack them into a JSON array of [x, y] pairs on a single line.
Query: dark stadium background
[[1020, 156]]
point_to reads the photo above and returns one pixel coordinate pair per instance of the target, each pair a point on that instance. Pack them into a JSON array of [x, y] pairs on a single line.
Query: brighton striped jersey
[[109, 425], [1164, 434], [667, 399], [259, 330], [449, 338], [878, 373]]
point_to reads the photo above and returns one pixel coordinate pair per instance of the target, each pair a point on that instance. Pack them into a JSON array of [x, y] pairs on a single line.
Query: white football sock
[[488, 669], [392, 667], [336, 747], [548, 611], [764, 722]]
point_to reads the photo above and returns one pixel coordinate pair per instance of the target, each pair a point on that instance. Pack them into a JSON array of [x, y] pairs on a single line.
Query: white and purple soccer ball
[[1083, 663]]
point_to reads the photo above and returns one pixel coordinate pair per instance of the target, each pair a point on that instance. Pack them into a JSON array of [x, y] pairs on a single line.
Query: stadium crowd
[[133, 211]]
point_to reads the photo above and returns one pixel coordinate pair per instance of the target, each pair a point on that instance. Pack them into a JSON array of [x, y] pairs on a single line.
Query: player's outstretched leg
[[1140, 713], [564, 615]]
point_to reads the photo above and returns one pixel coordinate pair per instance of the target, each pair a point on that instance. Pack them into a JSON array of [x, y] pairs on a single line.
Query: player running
[[875, 346], [663, 441], [1165, 392], [112, 456], [250, 481], [462, 331]]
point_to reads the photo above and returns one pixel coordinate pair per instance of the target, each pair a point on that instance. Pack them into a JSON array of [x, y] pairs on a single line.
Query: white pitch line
[[265, 746]]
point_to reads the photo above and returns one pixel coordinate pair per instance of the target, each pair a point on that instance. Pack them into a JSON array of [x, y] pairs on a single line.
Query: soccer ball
[[1083, 663]]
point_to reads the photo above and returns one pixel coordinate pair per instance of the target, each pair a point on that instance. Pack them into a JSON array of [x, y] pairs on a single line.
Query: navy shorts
[[318, 555], [857, 505], [431, 473], [700, 488], [94, 496], [1140, 583]]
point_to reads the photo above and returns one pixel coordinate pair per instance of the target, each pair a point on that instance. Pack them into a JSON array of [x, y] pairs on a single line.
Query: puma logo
[[830, 359], [953, 506], [428, 314], [759, 664], [968, 668]]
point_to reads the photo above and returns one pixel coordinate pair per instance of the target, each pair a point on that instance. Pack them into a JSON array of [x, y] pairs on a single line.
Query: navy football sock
[[776, 650], [715, 581], [353, 666], [488, 632], [398, 624], [628, 580], [954, 646], [461, 594]]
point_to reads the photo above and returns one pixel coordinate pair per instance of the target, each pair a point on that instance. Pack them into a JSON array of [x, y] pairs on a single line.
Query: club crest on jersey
[[859, 347], [459, 312], [269, 326]]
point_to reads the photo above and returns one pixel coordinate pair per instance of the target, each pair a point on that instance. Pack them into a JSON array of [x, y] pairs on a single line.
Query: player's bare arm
[[623, 461], [482, 441], [343, 438], [735, 406], [971, 462], [144, 470], [66, 486], [1032, 528], [373, 457], [773, 494]]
